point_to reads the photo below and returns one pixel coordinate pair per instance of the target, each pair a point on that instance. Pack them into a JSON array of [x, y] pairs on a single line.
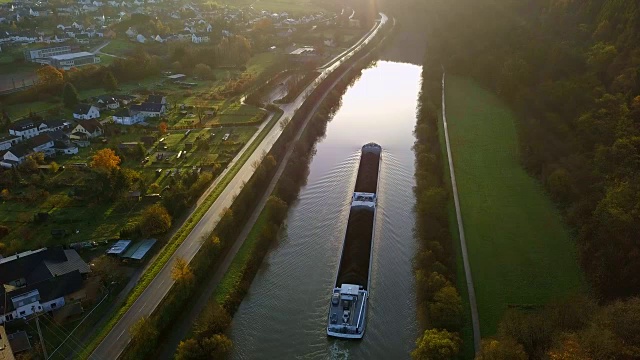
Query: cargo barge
[[348, 304]]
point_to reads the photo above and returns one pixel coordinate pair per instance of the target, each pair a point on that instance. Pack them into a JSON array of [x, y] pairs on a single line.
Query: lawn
[[120, 47], [520, 251]]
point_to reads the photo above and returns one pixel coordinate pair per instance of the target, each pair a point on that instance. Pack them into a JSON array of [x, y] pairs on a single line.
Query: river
[[284, 314]]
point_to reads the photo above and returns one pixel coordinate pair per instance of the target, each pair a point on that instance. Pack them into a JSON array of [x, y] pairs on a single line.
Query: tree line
[[570, 71], [439, 303]]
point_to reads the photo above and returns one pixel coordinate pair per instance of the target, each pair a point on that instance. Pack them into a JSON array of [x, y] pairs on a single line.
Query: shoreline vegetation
[[440, 307], [210, 338], [571, 79]]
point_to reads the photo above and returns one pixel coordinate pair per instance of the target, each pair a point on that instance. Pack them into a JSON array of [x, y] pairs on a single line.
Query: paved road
[[116, 341], [463, 242]]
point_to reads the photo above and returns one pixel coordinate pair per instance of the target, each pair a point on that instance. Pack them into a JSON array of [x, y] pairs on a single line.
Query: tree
[[155, 220], [69, 96], [162, 127], [105, 159], [569, 349], [110, 82], [144, 332], [277, 209], [446, 308], [437, 344], [54, 167], [502, 349], [214, 320], [48, 76], [203, 71], [215, 347], [181, 272], [108, 268]]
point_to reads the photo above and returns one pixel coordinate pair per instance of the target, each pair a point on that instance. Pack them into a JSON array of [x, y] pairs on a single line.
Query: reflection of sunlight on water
[[284, 315]]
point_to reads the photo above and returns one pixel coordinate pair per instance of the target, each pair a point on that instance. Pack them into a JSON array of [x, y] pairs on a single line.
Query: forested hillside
[[571, 70]]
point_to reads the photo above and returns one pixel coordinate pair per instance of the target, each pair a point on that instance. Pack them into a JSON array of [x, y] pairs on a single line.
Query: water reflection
[[284, 314]]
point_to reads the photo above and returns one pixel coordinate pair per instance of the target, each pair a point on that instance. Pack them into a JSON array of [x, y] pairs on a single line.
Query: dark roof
[[20, 150], [58, 135], [29, 265], [124, 112], [49, 289], [155, 99], [91, 125], [124, 97], [107, 99], [82, 109], [40, 140], [54, 123], [22, 125], [148, 107], [19, 341]]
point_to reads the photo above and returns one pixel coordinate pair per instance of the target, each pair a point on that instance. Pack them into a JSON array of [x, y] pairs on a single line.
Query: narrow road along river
[[284, 315]]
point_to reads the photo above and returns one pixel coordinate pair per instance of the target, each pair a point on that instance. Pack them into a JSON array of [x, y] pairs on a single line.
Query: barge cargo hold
[[348, 304]]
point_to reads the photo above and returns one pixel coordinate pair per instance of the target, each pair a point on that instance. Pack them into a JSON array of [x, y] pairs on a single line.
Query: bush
[[4, 231]]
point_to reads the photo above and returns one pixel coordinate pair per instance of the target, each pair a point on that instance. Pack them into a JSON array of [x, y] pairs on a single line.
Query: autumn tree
[[155, 220], [215, 347], [437, 344], [162, 127], [214, 320], [502, 349], [49, 76], [445, 310], [105, 159], [181, 272], [69, 96], [109, 81]]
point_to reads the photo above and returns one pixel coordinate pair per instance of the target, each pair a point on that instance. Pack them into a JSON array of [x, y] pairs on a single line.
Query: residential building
[[40, 55], [199, 38], [87, 130], [42, 143], [149, 109], [14, 156], [40, 280], [157, 99], [108, 102], [24, 128], [85, 112], [67, 61], [8, 141], [62, 143], [127, 117]]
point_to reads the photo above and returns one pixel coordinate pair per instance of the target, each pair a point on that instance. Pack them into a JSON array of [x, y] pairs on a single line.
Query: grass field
[[520, 251]]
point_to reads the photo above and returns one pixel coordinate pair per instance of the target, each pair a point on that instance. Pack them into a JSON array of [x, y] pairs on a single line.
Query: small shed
[[119, 247], [138, 250]]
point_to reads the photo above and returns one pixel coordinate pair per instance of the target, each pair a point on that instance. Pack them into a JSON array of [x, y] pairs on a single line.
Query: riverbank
[[520, 252]]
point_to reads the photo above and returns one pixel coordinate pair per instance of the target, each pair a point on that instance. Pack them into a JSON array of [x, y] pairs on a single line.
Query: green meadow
[[521, 254]]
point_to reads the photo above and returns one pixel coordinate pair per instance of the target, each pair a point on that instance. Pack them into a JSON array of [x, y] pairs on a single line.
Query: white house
[[24, 129], [87, 129], [141, 39], [85, 111], [127, 117], [108, 102], [7, 142], [42, 143], [14, 156], [199, 38], [131, 32]]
